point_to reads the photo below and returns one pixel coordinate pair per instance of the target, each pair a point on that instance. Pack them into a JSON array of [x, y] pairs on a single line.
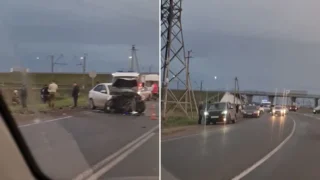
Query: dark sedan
[[251, 111], [220, 112], [293, 108]]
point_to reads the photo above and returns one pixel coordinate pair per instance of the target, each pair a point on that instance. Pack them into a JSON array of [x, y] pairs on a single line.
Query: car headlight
[[139, 92], [273, 111], [206, 113], [224, 112]]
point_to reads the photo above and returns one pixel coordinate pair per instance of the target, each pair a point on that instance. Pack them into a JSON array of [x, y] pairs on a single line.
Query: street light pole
[[201, 90]]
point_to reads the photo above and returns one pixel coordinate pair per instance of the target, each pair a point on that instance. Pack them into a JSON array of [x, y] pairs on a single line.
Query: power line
[[55, 62]]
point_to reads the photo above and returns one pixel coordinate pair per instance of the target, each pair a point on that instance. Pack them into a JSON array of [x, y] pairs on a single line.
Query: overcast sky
[[105, 30], [268, 44]]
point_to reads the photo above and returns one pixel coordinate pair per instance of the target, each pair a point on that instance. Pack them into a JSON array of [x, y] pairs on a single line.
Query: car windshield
[[217, 106], [278, 107]]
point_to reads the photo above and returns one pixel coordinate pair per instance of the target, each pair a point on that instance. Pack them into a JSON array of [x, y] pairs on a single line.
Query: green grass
[[60, 103], [178, 121]]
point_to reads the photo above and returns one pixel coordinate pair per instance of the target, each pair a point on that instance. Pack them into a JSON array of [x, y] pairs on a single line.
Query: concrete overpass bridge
[[271, 95]]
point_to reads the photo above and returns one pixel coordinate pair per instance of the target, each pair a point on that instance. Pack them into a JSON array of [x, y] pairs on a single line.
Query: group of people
[[48, 94]]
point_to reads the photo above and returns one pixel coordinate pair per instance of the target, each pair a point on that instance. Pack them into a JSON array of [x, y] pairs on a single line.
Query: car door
[[105, 95], [96, 97]]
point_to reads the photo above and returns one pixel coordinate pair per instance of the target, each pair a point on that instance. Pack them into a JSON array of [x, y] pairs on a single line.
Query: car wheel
[[141, 107], [107, 107], [91, 104]]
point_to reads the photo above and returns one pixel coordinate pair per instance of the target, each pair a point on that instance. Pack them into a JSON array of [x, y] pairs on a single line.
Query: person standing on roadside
[[52, 89], [155, 90], [200, 108], [23, 96], [44, 93], [75, 94]]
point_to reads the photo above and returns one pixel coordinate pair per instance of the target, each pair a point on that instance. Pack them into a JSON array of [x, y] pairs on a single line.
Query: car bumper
[[251, 115], [278, 113], [220, 118]]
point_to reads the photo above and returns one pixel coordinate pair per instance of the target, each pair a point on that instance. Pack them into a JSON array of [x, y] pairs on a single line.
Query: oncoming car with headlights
[[251, 111], [219, 112], [278, 110]]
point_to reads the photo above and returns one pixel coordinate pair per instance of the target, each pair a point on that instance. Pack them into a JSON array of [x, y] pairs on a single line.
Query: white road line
[[101, 164], [265, 158], [116, 161], [191, 135], [167, 175], [45, 121]]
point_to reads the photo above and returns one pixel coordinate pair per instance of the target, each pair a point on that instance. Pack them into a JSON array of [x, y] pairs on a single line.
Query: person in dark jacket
[[75, 94], [23, 96], [44, 93], [237, 108], [200, 108]]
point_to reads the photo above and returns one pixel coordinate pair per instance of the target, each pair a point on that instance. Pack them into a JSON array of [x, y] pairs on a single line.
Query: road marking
[[36, 121], [117, 160], [265, 158], [167, 175], [87, 173], [180, 137], [196, 134]]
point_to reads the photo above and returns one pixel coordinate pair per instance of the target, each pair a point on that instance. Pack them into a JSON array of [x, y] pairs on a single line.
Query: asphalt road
[[298, 158], [227, 150], [93, 143]]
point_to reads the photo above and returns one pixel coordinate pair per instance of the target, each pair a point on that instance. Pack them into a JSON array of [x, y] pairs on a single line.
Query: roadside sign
[[92, 74]]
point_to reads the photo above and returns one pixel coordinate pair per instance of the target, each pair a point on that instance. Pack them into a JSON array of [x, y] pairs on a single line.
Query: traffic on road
[[261, 145]]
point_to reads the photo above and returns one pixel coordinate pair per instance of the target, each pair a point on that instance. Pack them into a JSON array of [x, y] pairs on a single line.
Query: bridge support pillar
[[250, 97], [316, 102], [271, 99], [293, 100]]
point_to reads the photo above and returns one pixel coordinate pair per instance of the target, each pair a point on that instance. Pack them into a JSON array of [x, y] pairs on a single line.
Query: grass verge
[[172, 122], [41, 107]]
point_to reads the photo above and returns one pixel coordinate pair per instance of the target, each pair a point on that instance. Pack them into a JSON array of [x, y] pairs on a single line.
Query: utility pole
[[188, 95], [55, 62], [83, 63], [173, 50], [134, 59], [201, 90], [236, 91]]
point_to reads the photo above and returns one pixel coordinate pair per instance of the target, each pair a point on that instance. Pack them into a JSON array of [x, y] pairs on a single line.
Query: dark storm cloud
[[104, 30], [267, 44]]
